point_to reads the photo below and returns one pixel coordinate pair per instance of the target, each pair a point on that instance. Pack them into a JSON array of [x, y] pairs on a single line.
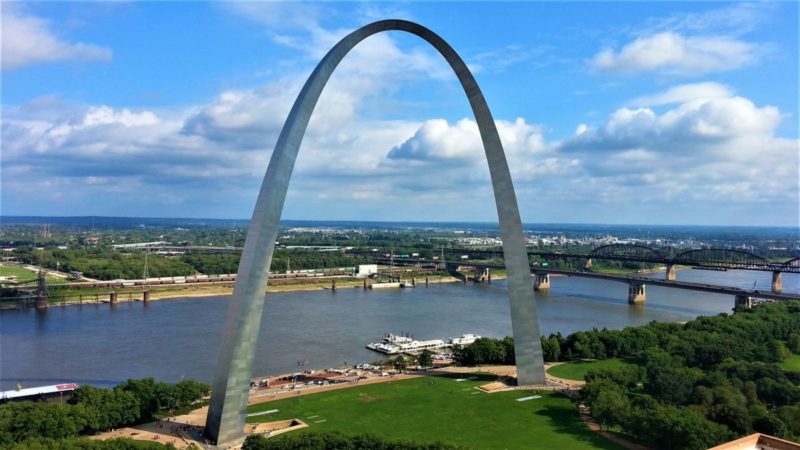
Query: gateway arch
[[226, 414]]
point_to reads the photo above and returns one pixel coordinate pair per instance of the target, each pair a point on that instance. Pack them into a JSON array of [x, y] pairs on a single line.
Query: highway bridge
[[636, 283], [711, 258]]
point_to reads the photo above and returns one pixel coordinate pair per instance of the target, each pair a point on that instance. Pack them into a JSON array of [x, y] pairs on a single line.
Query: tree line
[[92, 410], [331, 440], [105, 263]]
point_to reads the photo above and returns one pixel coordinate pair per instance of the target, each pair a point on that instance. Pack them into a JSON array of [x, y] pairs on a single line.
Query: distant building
[[140, 245], [365, 270], [92, 240], [56, 392]]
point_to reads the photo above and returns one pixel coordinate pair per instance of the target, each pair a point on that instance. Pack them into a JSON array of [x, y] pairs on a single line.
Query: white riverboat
[[392, 344]]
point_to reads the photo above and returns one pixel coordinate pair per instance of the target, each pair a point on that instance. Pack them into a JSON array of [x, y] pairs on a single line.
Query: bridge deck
[[716, 289]]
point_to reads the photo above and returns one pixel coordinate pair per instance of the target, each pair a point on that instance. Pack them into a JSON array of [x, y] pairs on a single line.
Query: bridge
[[708, 258], [636, 283]]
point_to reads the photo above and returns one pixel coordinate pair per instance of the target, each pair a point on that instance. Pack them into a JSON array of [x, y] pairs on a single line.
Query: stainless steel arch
[[225, 421]]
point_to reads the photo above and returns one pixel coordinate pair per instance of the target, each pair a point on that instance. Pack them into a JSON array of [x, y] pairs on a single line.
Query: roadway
[[716, 289]]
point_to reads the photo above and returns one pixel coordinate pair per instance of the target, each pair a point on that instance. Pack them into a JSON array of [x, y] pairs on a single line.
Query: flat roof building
[[56, 391]]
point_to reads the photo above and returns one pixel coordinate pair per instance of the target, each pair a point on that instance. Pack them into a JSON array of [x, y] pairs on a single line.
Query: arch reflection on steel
[[226, 414]]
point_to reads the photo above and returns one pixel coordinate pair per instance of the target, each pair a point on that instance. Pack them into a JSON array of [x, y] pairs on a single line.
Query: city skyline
[[609, 113]]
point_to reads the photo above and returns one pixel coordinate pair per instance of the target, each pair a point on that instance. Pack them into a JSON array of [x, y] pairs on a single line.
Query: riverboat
[[392, 344]]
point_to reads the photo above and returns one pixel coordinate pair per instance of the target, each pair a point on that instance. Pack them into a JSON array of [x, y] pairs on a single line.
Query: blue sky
[[652, 113]]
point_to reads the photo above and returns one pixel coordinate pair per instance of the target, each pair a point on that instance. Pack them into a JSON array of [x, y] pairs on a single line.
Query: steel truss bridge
[[744, 297], [720, 258]]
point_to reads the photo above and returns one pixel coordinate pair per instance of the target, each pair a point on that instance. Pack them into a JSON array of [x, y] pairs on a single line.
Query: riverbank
[[211, 290]]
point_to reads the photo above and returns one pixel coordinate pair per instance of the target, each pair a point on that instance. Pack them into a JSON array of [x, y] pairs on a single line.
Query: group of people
[[180, 430]]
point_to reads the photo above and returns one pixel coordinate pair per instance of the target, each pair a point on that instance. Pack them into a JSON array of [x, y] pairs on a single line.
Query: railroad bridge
[[707, 258]]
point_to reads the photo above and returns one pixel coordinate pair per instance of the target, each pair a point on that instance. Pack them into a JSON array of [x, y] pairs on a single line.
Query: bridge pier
[[481, 274], [541, 281], [636, 293], [777, 283], [146, 296], [112, 297], [588, 264], [670, 275], [743, 301], [41, 302]]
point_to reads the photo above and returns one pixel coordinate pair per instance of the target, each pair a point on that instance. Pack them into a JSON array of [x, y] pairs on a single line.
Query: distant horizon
[[420, 222]]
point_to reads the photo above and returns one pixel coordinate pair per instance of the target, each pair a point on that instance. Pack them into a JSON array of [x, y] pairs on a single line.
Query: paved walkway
[[181, 431]]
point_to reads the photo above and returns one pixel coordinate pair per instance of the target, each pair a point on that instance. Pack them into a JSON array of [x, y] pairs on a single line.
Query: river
[[173, 339]]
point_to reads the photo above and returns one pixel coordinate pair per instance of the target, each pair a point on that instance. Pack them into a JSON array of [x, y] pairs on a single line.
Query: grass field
[[792, 363], [24, 274], [578, 369], [431, 409], [19, 272]]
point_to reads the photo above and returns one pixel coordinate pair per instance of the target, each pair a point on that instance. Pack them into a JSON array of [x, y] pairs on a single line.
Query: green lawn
[[430, 409], [576, 370], [792, 363], [23, 274], [19, 272]]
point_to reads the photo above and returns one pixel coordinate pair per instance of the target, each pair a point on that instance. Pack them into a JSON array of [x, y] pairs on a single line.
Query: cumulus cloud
[[697, 121], [722, 150], [28, 40], [676, 54], [437, 140], [704, 149]]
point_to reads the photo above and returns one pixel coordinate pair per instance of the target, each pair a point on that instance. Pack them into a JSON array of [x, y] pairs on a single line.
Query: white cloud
[[28, 40], [104, 115], [705, 149], [437, 140], [695, 121], [720, 151], [684, 93], [674, 54], [730, 20]]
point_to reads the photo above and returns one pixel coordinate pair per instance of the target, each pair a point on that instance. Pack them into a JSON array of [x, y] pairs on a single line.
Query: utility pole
[[144, 272]]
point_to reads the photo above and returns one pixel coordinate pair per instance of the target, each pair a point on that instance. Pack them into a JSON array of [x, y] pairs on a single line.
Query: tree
[[794, 343], [610, 406], [551, 348], [482, 351], [770, 424], [425, 359], [670, 385], [331, 440], [152, 395], [777, 350], [790, 415], [106, 408], [399, 363], [190, 391]]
